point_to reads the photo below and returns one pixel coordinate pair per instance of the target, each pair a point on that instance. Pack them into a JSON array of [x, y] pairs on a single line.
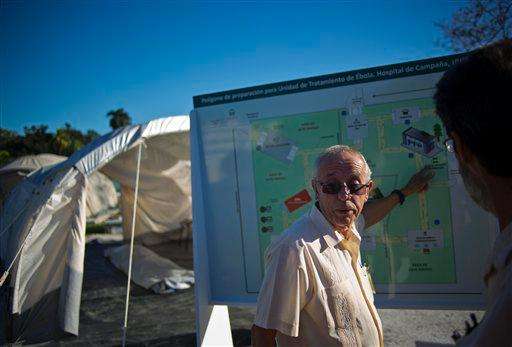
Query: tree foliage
[[36, 139], [118, 118], [67, 140], [477, 24], [90, 135]]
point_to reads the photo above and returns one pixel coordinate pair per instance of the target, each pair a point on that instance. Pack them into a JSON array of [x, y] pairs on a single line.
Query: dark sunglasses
[[335, 187]]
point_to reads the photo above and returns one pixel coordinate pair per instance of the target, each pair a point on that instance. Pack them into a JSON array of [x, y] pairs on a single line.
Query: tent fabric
[[11, 174], [164, 163], [44, 219], [32, 162], [47, 278], [102, 201], [150, 270]]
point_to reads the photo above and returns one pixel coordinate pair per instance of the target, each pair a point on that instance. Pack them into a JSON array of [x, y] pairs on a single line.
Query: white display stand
[[212, 321]]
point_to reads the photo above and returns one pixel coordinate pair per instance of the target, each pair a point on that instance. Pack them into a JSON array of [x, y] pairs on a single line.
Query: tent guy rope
[[125, 326]]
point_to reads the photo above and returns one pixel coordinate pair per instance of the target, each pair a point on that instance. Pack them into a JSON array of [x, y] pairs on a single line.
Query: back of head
[[474, 100]]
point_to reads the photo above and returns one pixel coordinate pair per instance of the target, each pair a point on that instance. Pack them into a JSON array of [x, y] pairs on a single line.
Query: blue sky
[[73, 61]]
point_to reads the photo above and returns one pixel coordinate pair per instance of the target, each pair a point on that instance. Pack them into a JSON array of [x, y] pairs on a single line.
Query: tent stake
[[125, 326]]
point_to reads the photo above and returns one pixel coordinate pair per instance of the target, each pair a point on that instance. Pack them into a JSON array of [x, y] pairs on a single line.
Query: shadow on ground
[[241, 337], [154, 320]]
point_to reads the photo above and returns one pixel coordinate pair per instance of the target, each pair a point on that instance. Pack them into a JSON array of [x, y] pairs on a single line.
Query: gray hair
[[334, 152]]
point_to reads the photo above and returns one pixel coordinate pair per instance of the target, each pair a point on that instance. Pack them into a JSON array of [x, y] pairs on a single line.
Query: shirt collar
[[330, 235]]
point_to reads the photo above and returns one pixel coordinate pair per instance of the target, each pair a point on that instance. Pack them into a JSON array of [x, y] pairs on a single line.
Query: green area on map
[[284, 150], [414, 243]]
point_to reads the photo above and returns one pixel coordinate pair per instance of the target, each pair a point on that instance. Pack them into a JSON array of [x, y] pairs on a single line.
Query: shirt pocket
[[339, 305], [340, 310]]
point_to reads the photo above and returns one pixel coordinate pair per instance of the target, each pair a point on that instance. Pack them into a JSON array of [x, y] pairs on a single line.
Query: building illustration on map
[[420, 142], [406, 115], [277, 146]]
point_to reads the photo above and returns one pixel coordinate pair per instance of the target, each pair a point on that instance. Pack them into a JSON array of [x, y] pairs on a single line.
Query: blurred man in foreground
[[315, 291], [473, 100]]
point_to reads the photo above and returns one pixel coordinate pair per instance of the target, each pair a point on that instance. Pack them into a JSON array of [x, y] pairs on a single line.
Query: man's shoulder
[[296, 236]]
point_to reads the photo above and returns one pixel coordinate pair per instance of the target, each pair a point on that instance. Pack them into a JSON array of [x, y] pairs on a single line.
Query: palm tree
[[119, 118]]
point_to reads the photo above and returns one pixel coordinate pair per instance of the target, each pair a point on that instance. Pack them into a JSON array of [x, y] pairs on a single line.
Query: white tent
[[101, 202], [14, 172], [42, 228]]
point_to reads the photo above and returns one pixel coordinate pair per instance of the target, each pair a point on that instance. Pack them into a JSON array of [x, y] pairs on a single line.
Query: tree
[[10, 143], [7, 136], [67, 140], [118, 118], [37, 139], [5, 157], [477, 24], [90, 135]]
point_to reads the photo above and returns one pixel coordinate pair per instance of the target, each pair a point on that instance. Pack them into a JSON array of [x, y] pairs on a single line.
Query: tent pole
[[125, 326]]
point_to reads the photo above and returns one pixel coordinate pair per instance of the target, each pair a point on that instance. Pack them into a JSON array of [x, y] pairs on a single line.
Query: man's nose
[[344, 193]]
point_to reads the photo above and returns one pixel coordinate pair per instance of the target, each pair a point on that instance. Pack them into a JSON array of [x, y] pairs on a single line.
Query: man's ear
[[313, 184], [370, 187], [462, 151]]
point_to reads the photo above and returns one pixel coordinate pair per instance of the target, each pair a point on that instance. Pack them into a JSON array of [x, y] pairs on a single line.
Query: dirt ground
[[168, 320], [154, 320]]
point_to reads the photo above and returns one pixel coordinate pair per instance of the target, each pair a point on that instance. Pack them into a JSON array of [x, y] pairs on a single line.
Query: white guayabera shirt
[[315, 291]]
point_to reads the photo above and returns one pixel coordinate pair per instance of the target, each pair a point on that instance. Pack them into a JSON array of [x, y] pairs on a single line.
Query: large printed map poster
[[413, 244]]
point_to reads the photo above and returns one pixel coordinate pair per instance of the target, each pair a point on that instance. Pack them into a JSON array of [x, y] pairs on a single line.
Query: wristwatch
[[401, 195]]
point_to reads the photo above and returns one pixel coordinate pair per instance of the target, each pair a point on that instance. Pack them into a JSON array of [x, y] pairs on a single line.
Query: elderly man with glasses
[[315, 291]]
